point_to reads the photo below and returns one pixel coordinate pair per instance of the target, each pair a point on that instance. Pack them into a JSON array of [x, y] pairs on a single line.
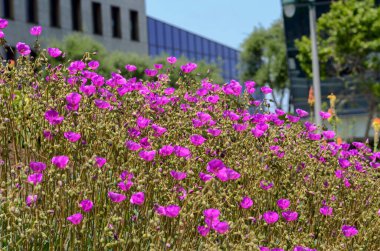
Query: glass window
[[76, 15], [198, 44], [205, 46], [134, 21], [168, 36], [212, 48], [55, 20], [8, 9], [97, 18], [32, 11], [115, 21], [219, 50], [184, 40], [191, 40], [152, 38], [160, 33], [176, 38]]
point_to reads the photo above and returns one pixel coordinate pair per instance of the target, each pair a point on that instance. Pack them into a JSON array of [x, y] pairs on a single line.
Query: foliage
[[125, 164], [264, 58], [348, 45]]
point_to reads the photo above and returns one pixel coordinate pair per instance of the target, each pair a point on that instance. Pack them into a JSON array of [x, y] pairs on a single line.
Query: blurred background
[[268, 41]]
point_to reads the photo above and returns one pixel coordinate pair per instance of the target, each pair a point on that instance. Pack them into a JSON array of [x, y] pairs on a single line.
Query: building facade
[[354, 112], [164, 38], [119, 25]]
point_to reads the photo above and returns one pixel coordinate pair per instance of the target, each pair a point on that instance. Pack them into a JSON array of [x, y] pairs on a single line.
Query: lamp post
[[289, 7]]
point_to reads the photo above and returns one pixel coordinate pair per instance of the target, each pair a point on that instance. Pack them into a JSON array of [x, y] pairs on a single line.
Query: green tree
[[348, 46], [263, 59]]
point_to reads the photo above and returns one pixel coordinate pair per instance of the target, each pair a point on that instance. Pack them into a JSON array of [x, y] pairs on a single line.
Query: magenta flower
[[54, 52], [35, 31], [328, 134], [73, 99], [203, 230], [72, 136], [171, 60], [3, 23], [75, 218], [205, 177], [31, 199], [125, 186], [266, 90], [181, 151], [86, 205], [53, 117], [349, 231], [249, 85], [2, 34], [151, 72], [325, 115], [302, 113], [214, 166], [170, 211], [93, 64], [137, 198], [159, 130], [169, 91], [226, 174], [246, 202], [266, 185], [158, 66], [47, 135], [257, 132], [344, 163], [23, 49], [214, 132], [100, 162], [301, 248], [60, 161], [142, 122], [283, 203], [147, 155], [290, 215], [166, 150], [221, 227], [233, 88], [197, 139], [270, 217], [133, 146], [178, 175], [37, 167], [116, 197], [293, 119], [211, 213], [130, 67], [325, 210], [35, 178], [189, 67], [101, 104]]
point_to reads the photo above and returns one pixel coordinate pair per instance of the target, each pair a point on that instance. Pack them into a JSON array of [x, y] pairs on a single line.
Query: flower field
[[92, 162]]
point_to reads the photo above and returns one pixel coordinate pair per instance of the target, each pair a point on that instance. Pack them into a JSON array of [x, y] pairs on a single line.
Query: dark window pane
[[198, 44], [116, 21], [8, 11], [152, 38], [191, 39], [205, 46], [160, 34], [212, 48], [55, 14], [184, 40], [97, 18], [134, 18], [176, 38], [76, 15], [10, 53], [32, 11]]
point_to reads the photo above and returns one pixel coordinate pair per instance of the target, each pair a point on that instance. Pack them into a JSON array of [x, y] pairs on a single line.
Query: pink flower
[[214, 132], [249, 85], [205, 177], [221, 227], [72, 136], [159, 130], [325, 115], [158, 66], [101, 104], [349, 231], [270, 217], [54, 52], [116, 197], [283, 203], [171, 60], [214, 166], [73, 99], [147, 155], [35, 31], [86, 205], [30, 199], [60, 161], [37, 167], [35, 178], [142, 122], [75, 218], [178, 175], [53, 117], [2, 34], [293, 119], [133, 146], [93, 64], [302, 113], [203, 230], [233, 88], [166, 150], [325, 210], [151, 72], [328, 134], [130, 67], [170, 211], [266, 185], [181, 151], [3, 23], [290, 215], [137, 198], [246, 202], [23, 49], [266, 90], [189, 67], [100, 162], [125, 186], [211, 213], [257, 132], [197, 140]]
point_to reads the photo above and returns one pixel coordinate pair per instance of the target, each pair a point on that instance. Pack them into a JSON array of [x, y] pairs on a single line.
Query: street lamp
[[289, 7]]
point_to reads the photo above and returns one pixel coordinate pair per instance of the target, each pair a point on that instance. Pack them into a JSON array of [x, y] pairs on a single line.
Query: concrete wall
[[18, 28]]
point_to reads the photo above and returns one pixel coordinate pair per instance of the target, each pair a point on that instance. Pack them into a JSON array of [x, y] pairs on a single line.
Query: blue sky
[[226, 21]]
